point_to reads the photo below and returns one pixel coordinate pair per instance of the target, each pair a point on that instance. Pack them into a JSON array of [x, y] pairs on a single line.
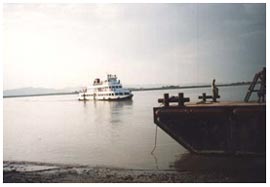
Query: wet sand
[[190, 169]]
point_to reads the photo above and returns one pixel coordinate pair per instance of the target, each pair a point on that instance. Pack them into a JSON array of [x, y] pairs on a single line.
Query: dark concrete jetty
[[212, 127], [215, 127]]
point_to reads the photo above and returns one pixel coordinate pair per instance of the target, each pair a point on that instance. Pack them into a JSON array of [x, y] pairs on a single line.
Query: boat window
[[116, 94], [121, 93], [126, 93]]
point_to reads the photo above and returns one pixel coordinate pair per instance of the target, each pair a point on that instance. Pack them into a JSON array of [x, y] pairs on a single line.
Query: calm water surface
[[60, 129]]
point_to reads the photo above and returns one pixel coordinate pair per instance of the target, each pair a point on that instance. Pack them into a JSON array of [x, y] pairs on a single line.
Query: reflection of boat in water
[[217, 127], [109, 89]]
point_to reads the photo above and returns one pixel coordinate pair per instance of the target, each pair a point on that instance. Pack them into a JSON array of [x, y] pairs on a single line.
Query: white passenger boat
[[110, 89]]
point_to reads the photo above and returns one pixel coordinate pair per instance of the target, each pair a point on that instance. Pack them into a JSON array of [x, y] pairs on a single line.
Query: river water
[[60, 129]]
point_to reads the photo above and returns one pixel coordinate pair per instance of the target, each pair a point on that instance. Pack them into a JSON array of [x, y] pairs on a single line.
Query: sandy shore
[[42, 173], [32, 172]]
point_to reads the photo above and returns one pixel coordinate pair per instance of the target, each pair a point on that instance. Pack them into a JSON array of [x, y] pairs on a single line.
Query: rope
[[155, 141], [156, 136]]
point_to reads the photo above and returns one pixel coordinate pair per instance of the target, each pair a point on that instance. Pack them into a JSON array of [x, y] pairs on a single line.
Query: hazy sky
[[66, 45]]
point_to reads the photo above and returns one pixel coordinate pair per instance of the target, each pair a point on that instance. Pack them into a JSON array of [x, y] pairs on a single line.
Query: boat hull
[[126, 97], [216, 129]]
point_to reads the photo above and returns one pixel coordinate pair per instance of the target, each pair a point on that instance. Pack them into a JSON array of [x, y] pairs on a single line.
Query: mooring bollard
[[166, 99], [182, 99], [204, 97]]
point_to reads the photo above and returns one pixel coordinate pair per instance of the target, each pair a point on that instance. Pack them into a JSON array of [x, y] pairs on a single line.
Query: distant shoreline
[[134, 89], [188, 87], [45, 94]]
